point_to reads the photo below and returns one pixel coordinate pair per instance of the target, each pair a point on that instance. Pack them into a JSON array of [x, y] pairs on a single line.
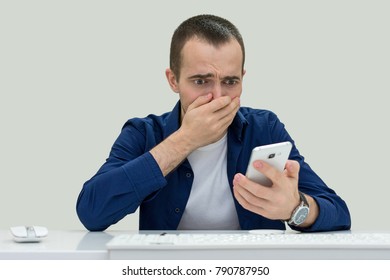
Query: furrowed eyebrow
[[210, 75], [231, 78], [201, 76]]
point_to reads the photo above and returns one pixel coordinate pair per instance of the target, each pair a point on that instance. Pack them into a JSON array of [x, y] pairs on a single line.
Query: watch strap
[[303, 199], [302, 204]]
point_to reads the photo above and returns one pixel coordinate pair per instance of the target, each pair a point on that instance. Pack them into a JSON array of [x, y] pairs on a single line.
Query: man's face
[[208, 69]]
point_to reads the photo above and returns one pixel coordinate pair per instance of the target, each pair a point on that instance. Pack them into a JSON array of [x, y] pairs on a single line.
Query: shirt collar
[[238, 125], [173, 120]]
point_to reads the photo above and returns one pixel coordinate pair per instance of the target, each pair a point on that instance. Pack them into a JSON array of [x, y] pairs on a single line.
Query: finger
[[237, 191], [292, 169], [227, 120], [255, 189], [268, 170], [233, 106], [201, 100], [220, 103], [229, 111]]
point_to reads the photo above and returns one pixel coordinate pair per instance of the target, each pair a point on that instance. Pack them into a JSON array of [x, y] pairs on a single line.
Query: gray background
[[72, 72]]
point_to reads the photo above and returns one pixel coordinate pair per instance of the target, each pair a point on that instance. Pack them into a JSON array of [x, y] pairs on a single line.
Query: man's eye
[[230, 82], [199, 82]]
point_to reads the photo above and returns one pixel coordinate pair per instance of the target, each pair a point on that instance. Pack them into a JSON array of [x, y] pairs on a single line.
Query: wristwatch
[[300, 213]]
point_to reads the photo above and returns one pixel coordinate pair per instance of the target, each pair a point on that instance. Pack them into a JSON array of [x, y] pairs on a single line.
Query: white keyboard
[[249, 240]]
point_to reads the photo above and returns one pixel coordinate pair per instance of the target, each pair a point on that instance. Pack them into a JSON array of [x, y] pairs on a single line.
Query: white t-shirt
[[210, 205]]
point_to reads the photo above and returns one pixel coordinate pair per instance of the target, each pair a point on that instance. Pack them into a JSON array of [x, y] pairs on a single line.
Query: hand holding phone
[[275, 155]]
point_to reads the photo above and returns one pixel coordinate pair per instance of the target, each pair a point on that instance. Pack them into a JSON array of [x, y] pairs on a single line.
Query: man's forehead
[[199, 57]]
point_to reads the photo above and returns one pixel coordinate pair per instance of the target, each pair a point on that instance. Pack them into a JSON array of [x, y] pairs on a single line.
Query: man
[[185, 169]]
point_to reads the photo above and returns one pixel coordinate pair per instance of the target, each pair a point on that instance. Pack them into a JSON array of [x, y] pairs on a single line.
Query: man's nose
[[217, 91]]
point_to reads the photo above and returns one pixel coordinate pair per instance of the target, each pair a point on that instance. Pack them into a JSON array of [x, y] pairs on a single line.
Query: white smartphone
[[274, 154]]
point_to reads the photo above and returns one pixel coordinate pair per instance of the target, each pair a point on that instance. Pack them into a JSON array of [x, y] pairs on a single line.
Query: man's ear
[[172, 80]]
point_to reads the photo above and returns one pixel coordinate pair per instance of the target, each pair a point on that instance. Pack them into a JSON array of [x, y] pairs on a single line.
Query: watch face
[[301, 215]]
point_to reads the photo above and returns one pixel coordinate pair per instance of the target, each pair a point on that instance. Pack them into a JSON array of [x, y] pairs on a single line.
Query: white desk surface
[[84, 245], [61, 245]]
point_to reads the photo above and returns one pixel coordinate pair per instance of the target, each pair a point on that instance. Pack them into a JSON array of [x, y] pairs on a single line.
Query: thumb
[[292, 169]]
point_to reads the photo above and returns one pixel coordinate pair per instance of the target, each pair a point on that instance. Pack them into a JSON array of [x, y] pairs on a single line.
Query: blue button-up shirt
[[131, 178]]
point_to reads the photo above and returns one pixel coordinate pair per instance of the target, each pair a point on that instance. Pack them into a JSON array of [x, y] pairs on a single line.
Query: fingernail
[[258, 164]]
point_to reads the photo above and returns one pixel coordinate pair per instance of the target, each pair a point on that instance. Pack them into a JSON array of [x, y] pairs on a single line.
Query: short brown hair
[[213, 29]]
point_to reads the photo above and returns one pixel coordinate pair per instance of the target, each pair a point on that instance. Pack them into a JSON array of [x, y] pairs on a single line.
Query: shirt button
[[188, 175], [177, 210]]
